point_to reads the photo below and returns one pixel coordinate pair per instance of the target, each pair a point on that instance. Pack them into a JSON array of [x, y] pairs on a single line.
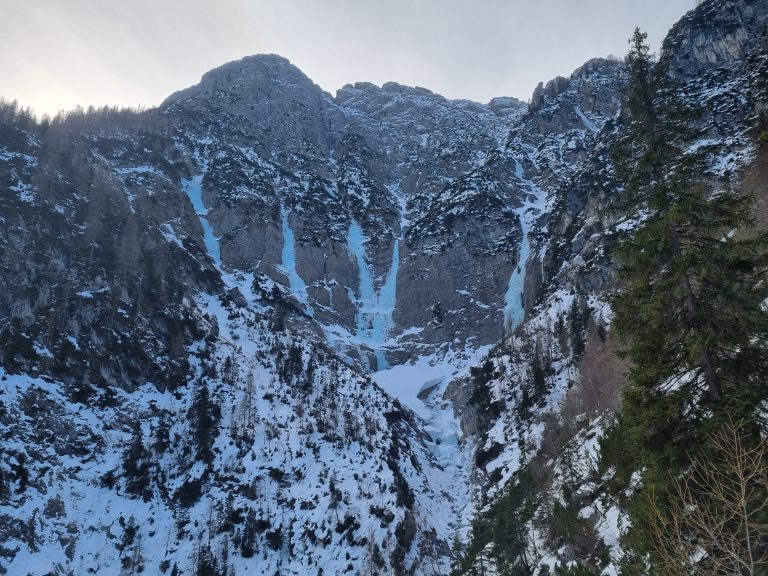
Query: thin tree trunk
[[741, 465]]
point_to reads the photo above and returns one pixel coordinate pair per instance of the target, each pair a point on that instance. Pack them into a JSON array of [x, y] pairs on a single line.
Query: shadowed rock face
[[447, 181], [272, 100]]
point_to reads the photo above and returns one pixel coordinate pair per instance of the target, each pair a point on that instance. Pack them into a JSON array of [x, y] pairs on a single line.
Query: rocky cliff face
[[216, 249], [161, 412], [228, 269], [385, 193], [716, 35]]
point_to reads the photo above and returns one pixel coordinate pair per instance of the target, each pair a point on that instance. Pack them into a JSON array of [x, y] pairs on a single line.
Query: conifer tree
[[690, 310], [248, 542], [205, 562], [202, 422], [579, 319], [161, 435], [136, 464]]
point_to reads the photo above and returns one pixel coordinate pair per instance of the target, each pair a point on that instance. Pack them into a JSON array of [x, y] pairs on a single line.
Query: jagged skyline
[[57, 55]]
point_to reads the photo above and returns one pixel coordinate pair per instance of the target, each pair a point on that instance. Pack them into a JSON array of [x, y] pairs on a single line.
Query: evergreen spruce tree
[[205, 562], [578, 317], [136, 466], [248, 542], [539, 388], [202, 423], [694, 282], [161, 435], [694, 274]]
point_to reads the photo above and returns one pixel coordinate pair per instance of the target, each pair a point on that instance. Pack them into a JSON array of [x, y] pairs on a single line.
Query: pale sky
[[55, 54]]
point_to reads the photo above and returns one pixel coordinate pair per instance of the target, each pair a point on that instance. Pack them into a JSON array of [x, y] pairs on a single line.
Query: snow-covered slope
[[540, 404], [160, 409], [280, 331]]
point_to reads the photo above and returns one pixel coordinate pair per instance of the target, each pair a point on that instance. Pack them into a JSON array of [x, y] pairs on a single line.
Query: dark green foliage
[[567, 527], [386, 516], [481, 393], [690, 309], [248, 541], [229, 516], [481, 375], [503, 526], [161, 436], [482, 396], [136, 465], [578, 318], [189, 492], [19, 469], [403, 491], [4, 488], [205, 563], [376, 556], [349, 522], [694, 279], [534, 390], [538, 386], [405, 533], [202, 423], [228, 371], [275, 538], [129, 533], [574, 570], [293, 364], [334, 492], [307, 381], [562, 336]]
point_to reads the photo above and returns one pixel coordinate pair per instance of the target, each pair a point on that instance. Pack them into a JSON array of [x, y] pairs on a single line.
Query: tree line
[[79, 119]]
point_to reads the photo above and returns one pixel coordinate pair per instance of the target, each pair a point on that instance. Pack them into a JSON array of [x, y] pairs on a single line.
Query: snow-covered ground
[[420, 385]]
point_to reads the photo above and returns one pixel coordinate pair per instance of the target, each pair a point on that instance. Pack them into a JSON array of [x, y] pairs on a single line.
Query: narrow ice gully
[[240, 280], [296, 282], [374, 308], [514, 309], [194, 189]]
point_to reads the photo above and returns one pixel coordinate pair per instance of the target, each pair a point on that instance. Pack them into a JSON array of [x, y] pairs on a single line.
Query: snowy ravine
[[420, 385], [374, 307]]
